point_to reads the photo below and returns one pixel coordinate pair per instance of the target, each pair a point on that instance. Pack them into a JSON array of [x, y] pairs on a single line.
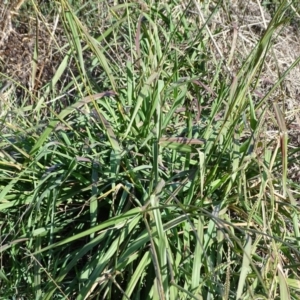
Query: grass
[[143, 169]]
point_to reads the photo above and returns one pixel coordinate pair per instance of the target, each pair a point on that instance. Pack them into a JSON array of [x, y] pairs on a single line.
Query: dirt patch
[[29, 47]]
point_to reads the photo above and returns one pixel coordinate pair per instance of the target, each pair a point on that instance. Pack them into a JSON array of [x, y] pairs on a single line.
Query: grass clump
[[156, 178]]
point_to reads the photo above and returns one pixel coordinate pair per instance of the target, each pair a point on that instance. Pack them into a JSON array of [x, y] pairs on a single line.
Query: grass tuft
[[148, 150]]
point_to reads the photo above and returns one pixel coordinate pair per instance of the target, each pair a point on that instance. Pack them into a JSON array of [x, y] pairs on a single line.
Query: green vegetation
[[141, 167]]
